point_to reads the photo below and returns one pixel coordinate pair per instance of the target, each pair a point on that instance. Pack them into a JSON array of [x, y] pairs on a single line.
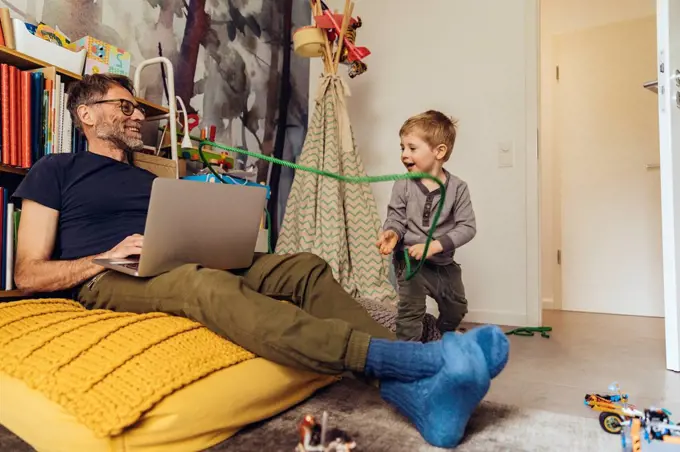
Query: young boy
[[426, 143]]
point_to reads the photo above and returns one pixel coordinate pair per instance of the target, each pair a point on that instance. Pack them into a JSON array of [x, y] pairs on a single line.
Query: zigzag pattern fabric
[[335, 220]]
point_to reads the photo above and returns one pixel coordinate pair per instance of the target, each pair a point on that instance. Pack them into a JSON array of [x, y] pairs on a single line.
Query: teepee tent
[[335, 220]]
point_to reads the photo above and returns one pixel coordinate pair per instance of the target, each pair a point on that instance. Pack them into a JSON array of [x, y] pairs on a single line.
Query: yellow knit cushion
[[72, 379]]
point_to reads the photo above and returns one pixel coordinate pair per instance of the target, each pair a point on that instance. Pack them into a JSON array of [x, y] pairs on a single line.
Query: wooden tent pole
[[346, 19]]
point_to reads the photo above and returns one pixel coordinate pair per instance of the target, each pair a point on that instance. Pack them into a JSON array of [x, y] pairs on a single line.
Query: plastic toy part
[[617, 416], [315, 437], [614, 409], [642, 434], [611, 423]]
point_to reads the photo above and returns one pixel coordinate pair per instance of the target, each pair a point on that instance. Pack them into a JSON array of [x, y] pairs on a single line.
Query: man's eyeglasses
[[126, 106]]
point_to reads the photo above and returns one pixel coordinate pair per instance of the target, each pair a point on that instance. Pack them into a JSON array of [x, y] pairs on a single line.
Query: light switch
[[506, 154]]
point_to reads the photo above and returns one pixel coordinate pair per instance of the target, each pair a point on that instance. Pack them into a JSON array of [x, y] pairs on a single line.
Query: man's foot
[[411, 361], [440, 406], [495, 345]]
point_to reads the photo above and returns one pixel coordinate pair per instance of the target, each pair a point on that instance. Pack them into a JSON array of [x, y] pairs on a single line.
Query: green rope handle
[[350, 179]]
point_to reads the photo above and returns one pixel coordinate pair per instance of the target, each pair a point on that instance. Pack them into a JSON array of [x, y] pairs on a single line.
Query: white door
[[607, 142], [668, 67]]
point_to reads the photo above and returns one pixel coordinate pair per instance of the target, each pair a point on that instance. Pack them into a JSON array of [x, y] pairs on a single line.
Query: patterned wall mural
[[227, 56]]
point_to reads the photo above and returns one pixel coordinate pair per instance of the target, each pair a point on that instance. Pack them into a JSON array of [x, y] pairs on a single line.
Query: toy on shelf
[[313, 437], [333, 38], [103, 57], [614, 408]]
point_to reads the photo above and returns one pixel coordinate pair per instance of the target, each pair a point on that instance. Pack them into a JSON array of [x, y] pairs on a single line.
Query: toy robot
[[313, 437]]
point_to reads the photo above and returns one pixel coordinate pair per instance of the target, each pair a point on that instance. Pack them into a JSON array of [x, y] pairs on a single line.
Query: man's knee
[[310, 261], [191, 281]]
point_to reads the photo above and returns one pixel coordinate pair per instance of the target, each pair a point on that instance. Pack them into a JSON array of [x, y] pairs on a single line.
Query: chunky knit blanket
[[104, 367], [108, 368]]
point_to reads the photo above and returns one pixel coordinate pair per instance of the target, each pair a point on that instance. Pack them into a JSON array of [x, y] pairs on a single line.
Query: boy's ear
[[441, 151]]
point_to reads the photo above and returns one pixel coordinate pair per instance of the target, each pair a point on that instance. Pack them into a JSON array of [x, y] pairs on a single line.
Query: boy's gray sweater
[[412, 208]]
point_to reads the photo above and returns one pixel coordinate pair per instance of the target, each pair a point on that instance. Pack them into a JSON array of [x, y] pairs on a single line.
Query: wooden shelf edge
[[152, 109], [25, 62], [13, 169], [11, 294]]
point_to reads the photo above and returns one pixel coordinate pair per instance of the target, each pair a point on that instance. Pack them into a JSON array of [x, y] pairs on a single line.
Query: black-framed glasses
[[126, 106]]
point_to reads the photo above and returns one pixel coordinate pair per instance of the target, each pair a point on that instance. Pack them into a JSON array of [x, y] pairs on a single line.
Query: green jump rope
[[353, 180], [410, 273]]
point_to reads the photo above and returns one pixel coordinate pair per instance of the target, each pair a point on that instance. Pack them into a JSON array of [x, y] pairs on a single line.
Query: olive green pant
[[444, 283], [322, 329]]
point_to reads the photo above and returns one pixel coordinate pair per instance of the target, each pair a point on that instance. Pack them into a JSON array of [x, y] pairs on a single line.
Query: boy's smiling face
[[418, 156]]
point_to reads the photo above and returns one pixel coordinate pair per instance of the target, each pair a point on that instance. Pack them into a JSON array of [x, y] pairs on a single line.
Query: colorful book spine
[[5, 114], [9, 243], [34, 120]]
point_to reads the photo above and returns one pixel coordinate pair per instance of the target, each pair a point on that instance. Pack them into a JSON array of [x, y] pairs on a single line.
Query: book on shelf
[[6, 29], [34, 120], [10, 225]]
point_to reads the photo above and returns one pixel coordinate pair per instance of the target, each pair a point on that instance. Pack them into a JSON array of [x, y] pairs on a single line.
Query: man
[[94, 204]]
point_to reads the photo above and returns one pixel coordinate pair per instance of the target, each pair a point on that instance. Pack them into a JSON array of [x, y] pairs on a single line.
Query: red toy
[[331, 22], [332, 38]]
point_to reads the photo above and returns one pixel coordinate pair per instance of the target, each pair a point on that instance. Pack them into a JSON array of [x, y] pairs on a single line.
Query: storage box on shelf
[[31, 45]]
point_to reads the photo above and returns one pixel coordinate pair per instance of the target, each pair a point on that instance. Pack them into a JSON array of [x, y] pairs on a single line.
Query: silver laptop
[[190, 222]]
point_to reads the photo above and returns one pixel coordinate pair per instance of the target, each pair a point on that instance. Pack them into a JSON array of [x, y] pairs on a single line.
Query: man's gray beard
[[119, 139]]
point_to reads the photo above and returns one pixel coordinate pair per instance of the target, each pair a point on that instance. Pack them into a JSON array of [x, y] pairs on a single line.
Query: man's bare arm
[[33, 269]]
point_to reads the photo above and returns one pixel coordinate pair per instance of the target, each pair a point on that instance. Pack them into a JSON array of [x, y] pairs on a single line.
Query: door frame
[[670, 190], [534, 308]]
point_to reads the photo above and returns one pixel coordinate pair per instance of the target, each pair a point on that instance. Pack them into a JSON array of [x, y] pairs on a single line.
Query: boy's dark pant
[[444, 283], [322, 329]]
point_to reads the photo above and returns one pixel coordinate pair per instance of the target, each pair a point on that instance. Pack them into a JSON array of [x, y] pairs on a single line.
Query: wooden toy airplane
[[331, 21]]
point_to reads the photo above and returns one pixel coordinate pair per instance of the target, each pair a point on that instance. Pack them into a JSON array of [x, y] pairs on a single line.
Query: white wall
[[559, 17], [469, 60]]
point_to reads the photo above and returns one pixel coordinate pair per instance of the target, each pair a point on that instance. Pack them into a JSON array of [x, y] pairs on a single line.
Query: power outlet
[[506, 154]]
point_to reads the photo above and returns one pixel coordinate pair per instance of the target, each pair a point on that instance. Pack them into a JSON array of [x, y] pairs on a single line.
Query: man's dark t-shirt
[[100, 200]]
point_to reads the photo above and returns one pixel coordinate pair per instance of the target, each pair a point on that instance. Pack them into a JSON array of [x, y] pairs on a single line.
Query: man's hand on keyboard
[[130, 246]]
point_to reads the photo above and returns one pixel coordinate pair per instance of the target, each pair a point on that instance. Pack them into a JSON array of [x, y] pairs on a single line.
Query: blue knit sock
[[409, 361], [441, 405], [495, 346], [403, 360]]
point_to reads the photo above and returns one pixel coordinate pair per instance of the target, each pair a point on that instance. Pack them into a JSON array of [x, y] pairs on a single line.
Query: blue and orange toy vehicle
[[614, 409]]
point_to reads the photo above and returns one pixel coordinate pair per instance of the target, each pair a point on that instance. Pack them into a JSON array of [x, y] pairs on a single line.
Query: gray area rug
[[358, 409], [376, 427]]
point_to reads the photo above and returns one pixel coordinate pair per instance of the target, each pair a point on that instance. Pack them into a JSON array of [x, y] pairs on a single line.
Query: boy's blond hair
[[434, 127]]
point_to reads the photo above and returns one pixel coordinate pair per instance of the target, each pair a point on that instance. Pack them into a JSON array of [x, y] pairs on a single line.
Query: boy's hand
[[387, 241], [416, 251]]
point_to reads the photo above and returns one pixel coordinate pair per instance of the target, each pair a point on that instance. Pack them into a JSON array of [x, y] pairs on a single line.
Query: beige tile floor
[[585, 353]]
